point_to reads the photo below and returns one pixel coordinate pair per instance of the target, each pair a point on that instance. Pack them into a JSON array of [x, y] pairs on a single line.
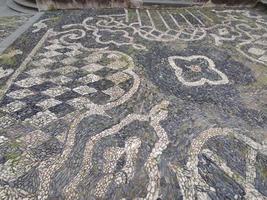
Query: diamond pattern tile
[[59, 82]]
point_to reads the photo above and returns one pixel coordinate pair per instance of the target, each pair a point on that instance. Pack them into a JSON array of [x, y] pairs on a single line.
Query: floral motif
[[107, 36], [104, 34], [197, 70], [81, 122], [224, 33]]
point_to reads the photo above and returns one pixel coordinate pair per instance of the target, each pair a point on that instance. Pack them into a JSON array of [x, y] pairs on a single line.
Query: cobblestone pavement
[[136, 104]]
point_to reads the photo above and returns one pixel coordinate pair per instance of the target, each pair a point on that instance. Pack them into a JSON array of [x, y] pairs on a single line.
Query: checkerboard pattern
[[57, 83]]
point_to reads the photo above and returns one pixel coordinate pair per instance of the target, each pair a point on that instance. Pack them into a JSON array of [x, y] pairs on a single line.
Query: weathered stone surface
[[224, 186], [261, 173], [136, 104], [70, 4]]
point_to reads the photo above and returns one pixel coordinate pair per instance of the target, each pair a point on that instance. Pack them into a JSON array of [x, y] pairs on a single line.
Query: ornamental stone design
[[135, 104], [224, 33], [192, 69], [255, 50]]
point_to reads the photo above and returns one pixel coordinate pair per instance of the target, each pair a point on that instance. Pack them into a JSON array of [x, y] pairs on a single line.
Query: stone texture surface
[[136, 104]]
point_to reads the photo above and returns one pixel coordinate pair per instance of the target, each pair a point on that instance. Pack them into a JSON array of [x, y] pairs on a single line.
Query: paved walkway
[[136, 104]]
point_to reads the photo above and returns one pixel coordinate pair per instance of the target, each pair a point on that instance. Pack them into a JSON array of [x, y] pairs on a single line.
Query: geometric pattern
[[90, 114], [48, 91]]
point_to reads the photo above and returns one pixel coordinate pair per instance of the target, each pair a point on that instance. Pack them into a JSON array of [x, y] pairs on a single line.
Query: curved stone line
[[148, 35], [229, 19], [239, 49], [247, 26], [218, 38], [189, 178], [126, 174], [8, 193], [73, 36], [131, 149], [44, 167], [151, 164], [157, 114], [118, 25], [168, 37], [104, 23], [230, 16], [202, 81], [165, 36], [227, 24], [125, 35], [70, 34], [247, 183], [111, 24], [49, 167], [251, 36], [96, 31], [40, 25], [70, 190]]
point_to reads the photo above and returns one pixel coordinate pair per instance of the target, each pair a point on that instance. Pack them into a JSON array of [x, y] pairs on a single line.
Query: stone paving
[[136, 104]]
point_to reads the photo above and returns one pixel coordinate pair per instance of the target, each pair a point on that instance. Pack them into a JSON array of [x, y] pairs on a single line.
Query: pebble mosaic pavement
[[136, 104]]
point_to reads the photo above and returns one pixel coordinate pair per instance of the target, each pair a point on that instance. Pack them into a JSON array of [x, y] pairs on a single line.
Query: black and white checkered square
[[55, 84]]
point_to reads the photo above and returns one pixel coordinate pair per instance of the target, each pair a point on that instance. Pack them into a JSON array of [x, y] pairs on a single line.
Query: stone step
[[200, 2], [27, 3], [22, 9], [171, 2]]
